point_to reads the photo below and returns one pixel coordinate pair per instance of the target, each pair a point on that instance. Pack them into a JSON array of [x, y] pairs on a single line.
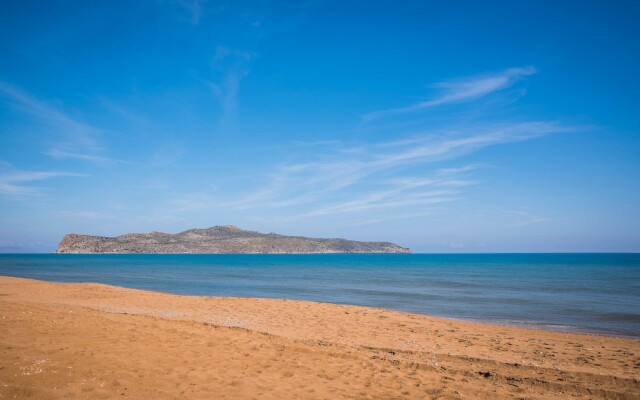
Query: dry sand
[[91, 341]]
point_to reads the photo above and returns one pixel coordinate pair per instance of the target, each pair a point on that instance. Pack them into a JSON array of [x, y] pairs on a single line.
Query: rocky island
[[227, 239]]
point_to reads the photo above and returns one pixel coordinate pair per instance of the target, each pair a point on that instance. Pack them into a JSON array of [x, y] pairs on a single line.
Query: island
[[225, 239]]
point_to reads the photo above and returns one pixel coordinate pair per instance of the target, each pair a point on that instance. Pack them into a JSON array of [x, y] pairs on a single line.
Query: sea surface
[[596, 293]]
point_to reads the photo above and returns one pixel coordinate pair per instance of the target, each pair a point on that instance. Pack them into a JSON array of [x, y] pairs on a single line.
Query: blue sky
[[501, 126]]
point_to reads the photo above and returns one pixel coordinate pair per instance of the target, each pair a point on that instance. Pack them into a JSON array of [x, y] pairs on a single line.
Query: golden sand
[[91, 341]]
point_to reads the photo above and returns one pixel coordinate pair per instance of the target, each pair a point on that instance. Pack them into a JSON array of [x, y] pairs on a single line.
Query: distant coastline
[[226, 239]]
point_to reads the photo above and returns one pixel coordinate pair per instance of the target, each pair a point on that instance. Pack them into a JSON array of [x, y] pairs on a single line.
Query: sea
[[590, 293]]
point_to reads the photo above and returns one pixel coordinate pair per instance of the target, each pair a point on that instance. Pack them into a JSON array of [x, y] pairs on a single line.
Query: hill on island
[[227, 239]]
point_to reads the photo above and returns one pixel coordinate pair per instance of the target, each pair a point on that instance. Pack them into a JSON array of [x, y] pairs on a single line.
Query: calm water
[[571, 292]]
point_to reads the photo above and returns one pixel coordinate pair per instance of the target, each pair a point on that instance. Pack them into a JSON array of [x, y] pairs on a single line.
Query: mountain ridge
[[223, 239]]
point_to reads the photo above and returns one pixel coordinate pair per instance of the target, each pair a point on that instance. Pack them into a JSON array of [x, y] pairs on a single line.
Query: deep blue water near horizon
[[597, 293]]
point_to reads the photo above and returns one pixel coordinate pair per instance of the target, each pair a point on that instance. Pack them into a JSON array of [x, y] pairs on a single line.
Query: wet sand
[[93, 341]]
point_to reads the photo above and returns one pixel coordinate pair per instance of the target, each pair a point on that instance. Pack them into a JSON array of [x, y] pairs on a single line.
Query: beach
[[96, 341]]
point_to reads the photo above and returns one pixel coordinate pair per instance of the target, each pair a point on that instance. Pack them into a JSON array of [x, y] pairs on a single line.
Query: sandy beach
[[93, 341]]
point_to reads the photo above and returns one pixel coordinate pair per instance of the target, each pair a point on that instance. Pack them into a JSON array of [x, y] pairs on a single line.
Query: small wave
[[556, 327]]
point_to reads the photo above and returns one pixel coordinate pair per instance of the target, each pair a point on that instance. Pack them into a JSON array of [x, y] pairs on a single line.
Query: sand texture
[[91, 341]]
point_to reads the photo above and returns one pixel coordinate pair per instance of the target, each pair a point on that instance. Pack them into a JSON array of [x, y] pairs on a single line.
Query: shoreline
[[86, 340], [534, 325], [543, 326]]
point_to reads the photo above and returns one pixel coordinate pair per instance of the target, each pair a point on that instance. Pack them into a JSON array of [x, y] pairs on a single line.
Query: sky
[[443, 126]]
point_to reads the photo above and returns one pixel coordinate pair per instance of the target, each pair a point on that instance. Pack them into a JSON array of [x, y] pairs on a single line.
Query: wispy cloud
[[387, 199], [518, 218], [167, 153], [57, 153], [15, 182], [395, 216], [195, 7], [189, 11], [87, 215], [81, 132], [383, 176], [124, 113], [229, 67], [74, 139], [191, 202], [460, 90]]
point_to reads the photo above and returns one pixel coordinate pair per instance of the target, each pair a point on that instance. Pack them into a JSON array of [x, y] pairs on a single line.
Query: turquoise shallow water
[[570, 292]]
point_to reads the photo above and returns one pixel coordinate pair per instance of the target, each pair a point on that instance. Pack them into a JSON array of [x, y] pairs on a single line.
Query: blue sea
[[597, 293]]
